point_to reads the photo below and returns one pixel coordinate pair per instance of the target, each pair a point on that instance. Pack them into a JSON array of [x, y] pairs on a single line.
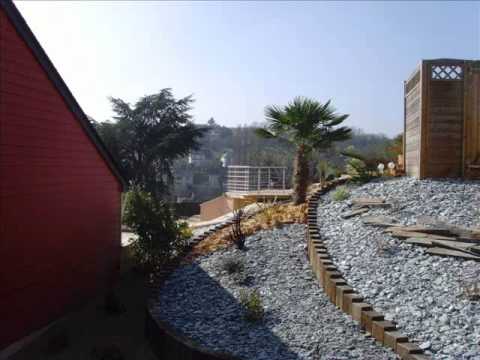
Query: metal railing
[[255, 178]]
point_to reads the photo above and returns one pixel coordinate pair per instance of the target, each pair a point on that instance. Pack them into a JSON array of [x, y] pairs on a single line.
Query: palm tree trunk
[[300, 176]]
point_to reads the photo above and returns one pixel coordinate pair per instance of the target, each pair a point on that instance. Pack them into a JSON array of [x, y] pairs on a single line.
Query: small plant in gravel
[[237, 235], [233, 265], [341, 193], [252, 304], [471, 291], [383, 246]]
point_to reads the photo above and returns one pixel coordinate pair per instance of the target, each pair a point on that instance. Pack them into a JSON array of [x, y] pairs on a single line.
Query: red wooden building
[[59, 190]]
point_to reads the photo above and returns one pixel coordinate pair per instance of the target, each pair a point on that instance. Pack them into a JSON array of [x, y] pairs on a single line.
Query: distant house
[[197, 158], [59, 190]]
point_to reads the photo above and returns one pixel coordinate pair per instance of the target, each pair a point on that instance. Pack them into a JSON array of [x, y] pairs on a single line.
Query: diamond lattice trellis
[[447, 72]]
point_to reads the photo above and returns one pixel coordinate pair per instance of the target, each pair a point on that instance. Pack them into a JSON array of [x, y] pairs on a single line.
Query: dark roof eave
[[27, 35]]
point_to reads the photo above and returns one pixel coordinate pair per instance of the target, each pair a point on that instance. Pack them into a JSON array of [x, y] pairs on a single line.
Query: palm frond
[[308, 122], [352, 153], [264, 133]]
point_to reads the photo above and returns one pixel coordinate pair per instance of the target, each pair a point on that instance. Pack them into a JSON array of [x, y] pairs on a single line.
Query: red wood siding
[[59, 201]]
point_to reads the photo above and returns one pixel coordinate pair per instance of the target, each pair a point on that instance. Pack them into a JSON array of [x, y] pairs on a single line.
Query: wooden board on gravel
[[422, 229], [402, 234], [454, 253], [367, 201], [455, 245], [444, 233], [440, 227], [440, 238], [371, 205], [353, 213], [381, 221]]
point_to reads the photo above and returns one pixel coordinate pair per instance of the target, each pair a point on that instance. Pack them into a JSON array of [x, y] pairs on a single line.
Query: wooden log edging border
[[343, 296]]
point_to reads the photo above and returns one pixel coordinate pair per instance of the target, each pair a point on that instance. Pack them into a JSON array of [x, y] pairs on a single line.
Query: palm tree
[[308, 125]]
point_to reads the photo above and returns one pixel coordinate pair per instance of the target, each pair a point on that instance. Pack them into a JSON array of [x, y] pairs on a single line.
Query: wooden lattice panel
[[447, 72]]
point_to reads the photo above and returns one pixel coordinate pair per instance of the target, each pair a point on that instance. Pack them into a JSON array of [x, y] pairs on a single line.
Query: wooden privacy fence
[[442, 119]]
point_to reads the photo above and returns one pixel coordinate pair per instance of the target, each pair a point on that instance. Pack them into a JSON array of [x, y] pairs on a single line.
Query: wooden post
[[259, 173], [269, 178]]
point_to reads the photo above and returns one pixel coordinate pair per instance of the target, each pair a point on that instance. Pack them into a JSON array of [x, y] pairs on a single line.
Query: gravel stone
[[201, 300], [423, 293]]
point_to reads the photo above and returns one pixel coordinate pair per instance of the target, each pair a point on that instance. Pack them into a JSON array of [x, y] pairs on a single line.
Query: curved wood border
[[343, 296]]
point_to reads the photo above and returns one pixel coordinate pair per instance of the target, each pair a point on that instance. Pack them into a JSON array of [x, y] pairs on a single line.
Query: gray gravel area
[[201, 300], [423, 293]]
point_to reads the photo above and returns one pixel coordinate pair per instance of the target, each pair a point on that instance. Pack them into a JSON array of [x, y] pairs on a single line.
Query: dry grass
[[269, 217]]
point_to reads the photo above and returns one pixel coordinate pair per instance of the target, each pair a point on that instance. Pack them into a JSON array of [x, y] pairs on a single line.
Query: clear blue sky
[[237, 57]]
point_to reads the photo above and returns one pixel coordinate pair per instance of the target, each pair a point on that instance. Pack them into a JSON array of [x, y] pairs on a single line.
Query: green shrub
[[159, 235], [185, 231], [359, 171], [361, 168], [252, 304], [340, 194]]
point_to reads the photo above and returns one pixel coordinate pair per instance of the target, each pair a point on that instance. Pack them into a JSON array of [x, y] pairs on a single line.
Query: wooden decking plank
[[447, 252], [353, 213], [381, 221], [457, 246], [419, 241], [367, 200], [401, 234]]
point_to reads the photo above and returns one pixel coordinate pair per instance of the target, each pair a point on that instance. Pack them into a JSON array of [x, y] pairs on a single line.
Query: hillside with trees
[[159, 148], [201, 177]]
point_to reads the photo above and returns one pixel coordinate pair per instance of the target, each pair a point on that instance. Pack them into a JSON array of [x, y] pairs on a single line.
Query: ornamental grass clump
[[340, 194], [252, 304], [326, 172], [237, 236]]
